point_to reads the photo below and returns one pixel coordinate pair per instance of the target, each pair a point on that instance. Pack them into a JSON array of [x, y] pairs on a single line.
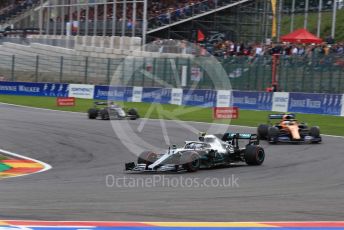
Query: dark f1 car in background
[[107, 111], [288, 130], [207, 152]]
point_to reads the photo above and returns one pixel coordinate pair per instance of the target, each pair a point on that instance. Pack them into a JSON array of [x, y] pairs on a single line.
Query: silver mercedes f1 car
[[207, 152], [111, 111]]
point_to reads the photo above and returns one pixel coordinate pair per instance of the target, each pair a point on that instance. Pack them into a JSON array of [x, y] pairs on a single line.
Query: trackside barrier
[[34, 89], [342, 105], [329, 104]]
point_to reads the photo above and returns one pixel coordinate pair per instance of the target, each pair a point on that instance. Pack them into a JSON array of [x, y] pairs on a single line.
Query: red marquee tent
[[301, 36]]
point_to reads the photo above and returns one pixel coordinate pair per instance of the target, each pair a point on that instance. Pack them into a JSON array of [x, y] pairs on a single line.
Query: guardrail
[[329, 104]]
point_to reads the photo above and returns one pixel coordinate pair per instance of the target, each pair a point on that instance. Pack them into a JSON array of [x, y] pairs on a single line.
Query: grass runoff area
[[332, 125], [2, 157]]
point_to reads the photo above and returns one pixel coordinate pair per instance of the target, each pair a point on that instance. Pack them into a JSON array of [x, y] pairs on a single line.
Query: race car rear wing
[[100, 103], [280, 116], [230, 137]]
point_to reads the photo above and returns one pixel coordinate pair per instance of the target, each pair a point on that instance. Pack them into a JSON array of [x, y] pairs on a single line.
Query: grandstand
[[85, 41]]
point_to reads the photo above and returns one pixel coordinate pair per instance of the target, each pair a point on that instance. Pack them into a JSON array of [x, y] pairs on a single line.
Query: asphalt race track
[[296, 182]]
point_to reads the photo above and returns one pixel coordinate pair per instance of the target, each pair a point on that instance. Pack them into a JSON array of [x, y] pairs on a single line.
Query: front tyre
[[147, 157], [314, 131], [133, 113], [191, 161], [254, 155], [273, 133]]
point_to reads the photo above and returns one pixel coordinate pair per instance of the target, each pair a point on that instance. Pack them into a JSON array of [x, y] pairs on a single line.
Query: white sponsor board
[[81, 91], [342, 105], [280, 102], [137, 94], [177, 96], [223, 98]]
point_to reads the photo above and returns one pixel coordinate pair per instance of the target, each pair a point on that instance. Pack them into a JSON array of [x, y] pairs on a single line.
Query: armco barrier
[[330, 104]]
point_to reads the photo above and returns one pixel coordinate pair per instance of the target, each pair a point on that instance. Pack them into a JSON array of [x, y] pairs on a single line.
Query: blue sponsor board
[[166, 96], [115, 93], [252, 100], [156, 95], [34, 89], [199, 97], [315, 103]]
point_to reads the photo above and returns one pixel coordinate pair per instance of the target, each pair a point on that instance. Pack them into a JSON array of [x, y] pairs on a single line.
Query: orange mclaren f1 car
[[288, 130]]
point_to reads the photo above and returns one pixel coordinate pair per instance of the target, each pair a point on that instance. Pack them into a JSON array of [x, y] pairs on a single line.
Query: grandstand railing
[[187, 12], [318, 74]]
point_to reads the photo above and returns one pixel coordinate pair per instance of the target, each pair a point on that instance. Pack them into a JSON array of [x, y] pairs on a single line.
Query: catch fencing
[[318, 74]]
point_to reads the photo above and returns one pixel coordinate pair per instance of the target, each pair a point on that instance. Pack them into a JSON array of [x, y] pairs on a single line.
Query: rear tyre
[[273, 133], [104, 114], [263, 131], [147, 157], [92, 113], [254, 155], [191, 161]]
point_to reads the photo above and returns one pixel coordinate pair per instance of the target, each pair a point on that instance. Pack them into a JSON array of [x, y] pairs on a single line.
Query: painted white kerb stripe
[[46, 166], [196, 122]]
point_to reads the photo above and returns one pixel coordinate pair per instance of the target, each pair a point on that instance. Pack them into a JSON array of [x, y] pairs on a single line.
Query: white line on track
[[46, 166], [196, 122]]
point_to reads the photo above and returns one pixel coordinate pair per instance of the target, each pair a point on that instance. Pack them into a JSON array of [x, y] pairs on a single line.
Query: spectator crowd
[[9, 8], [228, 48]]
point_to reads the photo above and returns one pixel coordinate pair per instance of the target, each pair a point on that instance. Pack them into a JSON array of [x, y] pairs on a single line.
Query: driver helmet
[[286, 117]]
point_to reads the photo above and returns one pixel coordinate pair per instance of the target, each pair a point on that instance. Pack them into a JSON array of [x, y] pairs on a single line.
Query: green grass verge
[[2, 158], [329, 124], [326, 24]]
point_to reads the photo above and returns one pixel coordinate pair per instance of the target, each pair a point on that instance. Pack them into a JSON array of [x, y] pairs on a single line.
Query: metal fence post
[[61, 69], [265, 84], [13, 67], [144, 68], [340, 75], [153, 71], [256, 73], [108, 71], [286, 83], [188, 76], [312, 77], [164, 70], [331, 75], [37, 68], [122, 71], [171, 72], [178, 73], [133, 73], [86, 70], [321, 80], [303, 79]]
